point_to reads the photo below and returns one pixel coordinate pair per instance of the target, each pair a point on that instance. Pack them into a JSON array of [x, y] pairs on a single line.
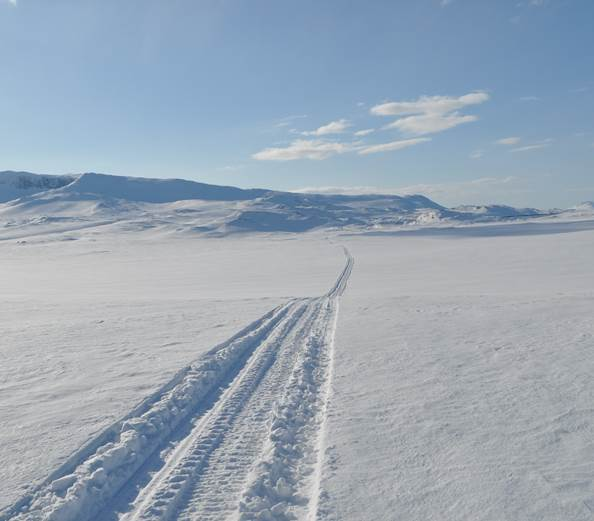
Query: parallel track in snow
[[238, 435]]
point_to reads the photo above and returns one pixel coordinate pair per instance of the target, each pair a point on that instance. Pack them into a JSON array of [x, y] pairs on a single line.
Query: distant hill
[[497, 210], [140, 189], [587, 207], [44, 202]]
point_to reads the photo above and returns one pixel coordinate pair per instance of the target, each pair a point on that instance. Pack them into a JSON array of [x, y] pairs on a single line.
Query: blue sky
[[463, 100]]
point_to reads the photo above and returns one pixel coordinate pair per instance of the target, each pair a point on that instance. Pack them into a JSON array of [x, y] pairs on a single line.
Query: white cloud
[[477, 154], [445, 3], [286, 121], [318, 149], [392, 145], [303, 149], [231, 168], [531, 3], [426, 115], [334, 127], [430, 123], [481, 191], [429, 114], [492, 180], [429, 104], [364, 132], [513, 140], [530, 147], [12, 2], [484, 190], [346, 190]]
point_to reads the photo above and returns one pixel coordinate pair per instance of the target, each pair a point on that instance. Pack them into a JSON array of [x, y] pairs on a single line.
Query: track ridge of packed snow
[[251, 412], [285, 483]]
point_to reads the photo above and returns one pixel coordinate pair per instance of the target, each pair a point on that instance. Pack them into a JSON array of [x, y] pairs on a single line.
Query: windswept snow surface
[[462, 383]]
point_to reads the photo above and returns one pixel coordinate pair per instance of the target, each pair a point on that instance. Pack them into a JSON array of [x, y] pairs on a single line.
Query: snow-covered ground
[[463, 378], [93, 325], [157, 364]]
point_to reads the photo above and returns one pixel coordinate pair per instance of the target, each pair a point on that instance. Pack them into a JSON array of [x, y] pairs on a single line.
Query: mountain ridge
[[28, 199]]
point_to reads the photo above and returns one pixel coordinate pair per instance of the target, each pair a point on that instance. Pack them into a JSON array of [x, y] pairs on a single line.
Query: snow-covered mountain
[[139, 189], [587, 208], [20, 184], [84, 200], [497, 210]]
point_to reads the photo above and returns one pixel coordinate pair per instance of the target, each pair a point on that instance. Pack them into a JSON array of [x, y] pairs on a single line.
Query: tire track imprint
[[237, 435]]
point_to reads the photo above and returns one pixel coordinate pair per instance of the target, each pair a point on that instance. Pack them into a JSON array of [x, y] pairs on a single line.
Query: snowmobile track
[[237, 435]]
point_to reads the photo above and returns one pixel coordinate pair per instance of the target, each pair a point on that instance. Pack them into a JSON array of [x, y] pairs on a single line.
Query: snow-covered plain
[[389, 364], [463, 377]]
